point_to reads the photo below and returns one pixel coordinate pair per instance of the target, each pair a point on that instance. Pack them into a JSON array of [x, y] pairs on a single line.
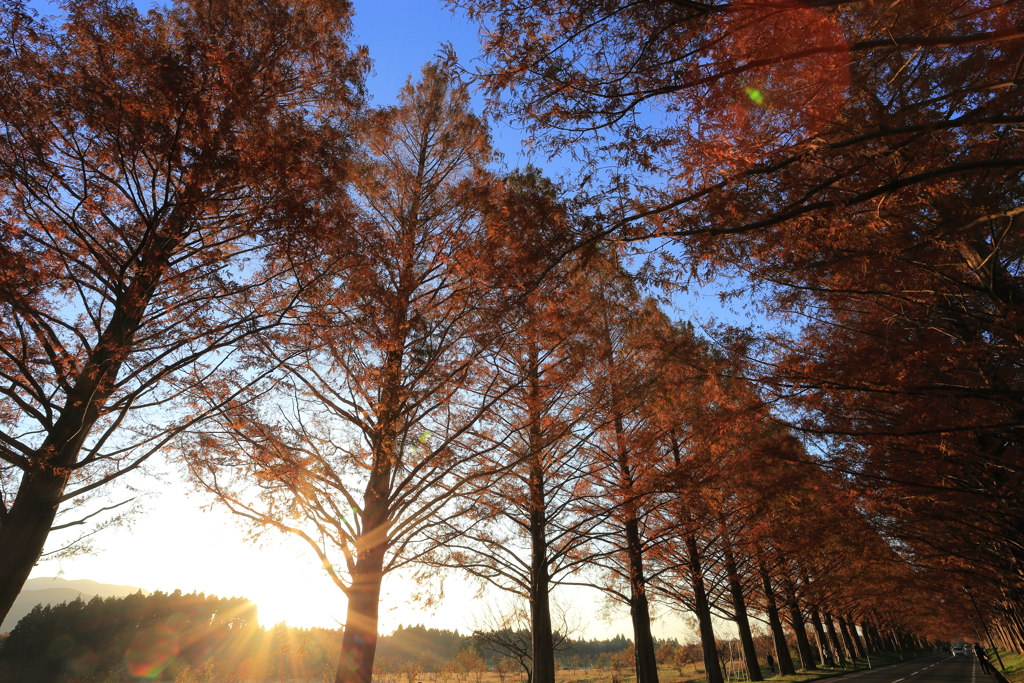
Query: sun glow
[[179, 545]]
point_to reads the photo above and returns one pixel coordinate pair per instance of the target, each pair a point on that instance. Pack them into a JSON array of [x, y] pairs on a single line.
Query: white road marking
[[888, 666]]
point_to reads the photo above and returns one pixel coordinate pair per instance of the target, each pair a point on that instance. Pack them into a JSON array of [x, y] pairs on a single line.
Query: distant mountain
[[55, 590]]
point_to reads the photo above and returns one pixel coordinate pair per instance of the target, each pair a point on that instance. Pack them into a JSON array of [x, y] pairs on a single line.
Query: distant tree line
[[153, 636], [192, 638]]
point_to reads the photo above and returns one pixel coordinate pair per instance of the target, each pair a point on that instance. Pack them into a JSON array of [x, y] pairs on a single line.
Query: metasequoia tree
[[728, 475], [738, 612], [152, 170], [528, 527], [373, 421], [676, 406], [860, 161], [818, 548], [625, 332], [709, 435], [691, 560], [747, 513], [802, 511], [740, 506]]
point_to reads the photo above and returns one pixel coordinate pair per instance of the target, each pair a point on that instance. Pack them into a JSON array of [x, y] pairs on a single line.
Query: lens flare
[[176, 622], [151, 652], [793, 61], [779, 77]]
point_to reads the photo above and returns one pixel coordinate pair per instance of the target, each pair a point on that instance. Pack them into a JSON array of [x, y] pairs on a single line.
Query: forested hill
[[53, 590], [154, 636], [421, 643]]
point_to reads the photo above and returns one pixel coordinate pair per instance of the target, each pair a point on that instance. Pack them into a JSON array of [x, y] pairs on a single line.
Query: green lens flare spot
[[755, 95]]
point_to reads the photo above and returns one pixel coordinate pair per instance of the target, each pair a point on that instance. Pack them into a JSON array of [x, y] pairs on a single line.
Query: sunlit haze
[[176, 544]]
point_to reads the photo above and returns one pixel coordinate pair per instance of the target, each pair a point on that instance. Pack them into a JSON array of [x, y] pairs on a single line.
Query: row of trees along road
[[859, 165], [353, 330]]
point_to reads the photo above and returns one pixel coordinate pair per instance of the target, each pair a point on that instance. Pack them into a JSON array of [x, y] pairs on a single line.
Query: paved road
[[940, 668]]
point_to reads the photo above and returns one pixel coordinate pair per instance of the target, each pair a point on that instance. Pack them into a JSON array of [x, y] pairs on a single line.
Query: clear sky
[[177, 544], [403, 35]]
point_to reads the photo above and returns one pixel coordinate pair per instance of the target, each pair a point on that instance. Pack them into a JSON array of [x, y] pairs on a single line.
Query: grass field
[[1014, 664]]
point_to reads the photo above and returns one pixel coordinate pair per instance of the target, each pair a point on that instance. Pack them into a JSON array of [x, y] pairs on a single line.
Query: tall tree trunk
[[359, 642], [885, 639], [540, 577], [712, 667], [639, 608], [739, 608], [1015, 627], [796, 621], [881, 643], [1009, 637], [870, 644], [858, 642], [844, 631], [1006, 642], [785, 660], [824, 651], [833, 636], [26, 526], [25, 529], [885, 643], [1010, 642], [540, 616]]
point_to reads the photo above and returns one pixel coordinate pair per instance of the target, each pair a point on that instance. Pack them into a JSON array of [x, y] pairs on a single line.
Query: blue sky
[[403, 35]]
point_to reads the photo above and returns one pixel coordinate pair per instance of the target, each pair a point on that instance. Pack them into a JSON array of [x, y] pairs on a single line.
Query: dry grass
[[695, 673], [691, 674]]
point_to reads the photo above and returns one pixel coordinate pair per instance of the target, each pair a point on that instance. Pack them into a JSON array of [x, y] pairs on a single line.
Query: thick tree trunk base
[[24, 532], [785, 660], [803, 643], [359, 642]]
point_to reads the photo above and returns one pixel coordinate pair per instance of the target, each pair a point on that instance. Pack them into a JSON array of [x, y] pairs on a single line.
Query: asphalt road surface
[[941, 668]]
